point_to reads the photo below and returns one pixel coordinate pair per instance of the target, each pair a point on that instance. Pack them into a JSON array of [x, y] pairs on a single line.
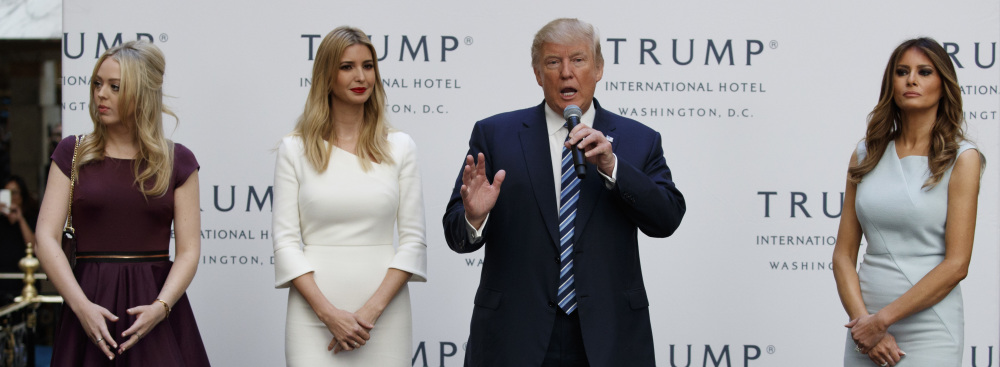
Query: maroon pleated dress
[[121, 237]]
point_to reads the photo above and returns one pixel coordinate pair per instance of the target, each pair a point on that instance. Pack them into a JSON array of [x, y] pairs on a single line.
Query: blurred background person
[[17, 229]]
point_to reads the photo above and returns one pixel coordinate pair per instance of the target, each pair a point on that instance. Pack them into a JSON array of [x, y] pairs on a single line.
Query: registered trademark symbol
[[773, 44], [468, 40], [164, 38], [770, 348]]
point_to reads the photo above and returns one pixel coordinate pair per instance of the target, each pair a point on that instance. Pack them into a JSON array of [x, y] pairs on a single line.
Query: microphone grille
[[572, 110]]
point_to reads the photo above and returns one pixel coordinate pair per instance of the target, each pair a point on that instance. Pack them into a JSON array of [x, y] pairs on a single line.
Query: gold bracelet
[[165, 306]]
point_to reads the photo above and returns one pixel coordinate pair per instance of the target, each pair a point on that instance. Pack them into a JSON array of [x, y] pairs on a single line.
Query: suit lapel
[[592, 187], [535, 148]]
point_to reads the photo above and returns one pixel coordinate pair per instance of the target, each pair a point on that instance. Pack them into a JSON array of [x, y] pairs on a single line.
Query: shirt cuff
[[609, 181], [475, 235]]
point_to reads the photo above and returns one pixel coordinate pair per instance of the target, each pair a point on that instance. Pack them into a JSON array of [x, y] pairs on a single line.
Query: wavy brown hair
[[884, 122], [315, 125], [141, 108]]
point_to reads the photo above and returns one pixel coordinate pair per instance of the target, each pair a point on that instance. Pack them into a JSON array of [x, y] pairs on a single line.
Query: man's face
[[568, 74]]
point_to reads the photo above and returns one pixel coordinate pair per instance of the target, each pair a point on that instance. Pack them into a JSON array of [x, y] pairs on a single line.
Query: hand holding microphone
[[588, 145]]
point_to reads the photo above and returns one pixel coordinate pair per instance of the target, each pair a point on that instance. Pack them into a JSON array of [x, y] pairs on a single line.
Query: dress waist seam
[[123, 256]]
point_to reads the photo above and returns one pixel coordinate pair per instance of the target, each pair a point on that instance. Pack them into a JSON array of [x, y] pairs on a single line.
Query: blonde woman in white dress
[[343, 180]]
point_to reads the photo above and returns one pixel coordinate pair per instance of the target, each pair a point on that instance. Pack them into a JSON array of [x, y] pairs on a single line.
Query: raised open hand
[[478, 195]]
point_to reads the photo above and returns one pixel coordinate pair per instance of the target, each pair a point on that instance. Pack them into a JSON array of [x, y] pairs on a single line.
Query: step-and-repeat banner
[[760, 105]]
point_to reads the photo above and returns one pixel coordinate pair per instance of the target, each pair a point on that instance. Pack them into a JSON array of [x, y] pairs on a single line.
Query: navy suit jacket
[[515, 308]]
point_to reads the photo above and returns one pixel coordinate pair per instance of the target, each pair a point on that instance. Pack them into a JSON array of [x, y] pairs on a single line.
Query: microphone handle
[[579, 164]]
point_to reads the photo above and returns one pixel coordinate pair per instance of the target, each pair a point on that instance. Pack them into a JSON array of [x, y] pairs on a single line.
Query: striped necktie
[[568, 196]]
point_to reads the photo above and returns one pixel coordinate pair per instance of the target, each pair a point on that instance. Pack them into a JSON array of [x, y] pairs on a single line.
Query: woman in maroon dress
[[125, 299]]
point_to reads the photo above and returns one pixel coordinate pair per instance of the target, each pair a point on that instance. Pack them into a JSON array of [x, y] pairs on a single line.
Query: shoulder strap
[[72, 183], [963, 146], [861, 151], [966, 145]]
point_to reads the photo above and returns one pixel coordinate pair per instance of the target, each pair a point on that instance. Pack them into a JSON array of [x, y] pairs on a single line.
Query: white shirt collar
[[555, 120]]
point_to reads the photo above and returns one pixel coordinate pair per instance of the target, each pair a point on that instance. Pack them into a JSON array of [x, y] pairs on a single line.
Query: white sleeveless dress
[[344, 219], [904, 227]]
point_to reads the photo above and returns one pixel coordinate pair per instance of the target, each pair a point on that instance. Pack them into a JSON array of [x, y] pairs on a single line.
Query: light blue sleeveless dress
[[903, 224]]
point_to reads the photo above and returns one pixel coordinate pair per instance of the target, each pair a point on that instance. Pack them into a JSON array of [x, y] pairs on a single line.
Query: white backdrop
[[768, 123]]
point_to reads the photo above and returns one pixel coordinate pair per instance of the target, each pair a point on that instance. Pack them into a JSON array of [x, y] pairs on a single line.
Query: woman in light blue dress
[[912, 191]]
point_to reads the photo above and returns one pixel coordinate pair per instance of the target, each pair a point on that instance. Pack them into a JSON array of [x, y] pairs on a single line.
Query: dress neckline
[[341, 149], [349, 153], [896, 152]]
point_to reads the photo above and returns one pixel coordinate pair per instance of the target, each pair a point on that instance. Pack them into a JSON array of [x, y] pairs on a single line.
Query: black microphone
[[572, 115]]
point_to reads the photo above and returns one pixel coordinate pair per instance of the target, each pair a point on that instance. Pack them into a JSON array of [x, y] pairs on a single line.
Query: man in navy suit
[[561, 283]]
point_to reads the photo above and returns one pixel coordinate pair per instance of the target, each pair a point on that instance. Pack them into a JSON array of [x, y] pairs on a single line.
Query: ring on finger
[[884, 364], [356, 344], [99, 340]]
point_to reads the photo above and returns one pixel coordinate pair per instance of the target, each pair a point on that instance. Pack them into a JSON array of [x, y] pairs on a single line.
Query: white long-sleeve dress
[[339, 225]]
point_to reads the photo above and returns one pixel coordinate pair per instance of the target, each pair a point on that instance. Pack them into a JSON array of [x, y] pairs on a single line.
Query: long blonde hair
[[315, 126], [884, 121], [140, 99]]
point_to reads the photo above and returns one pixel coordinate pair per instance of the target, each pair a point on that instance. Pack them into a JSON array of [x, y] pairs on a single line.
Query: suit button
[[552, 304]]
